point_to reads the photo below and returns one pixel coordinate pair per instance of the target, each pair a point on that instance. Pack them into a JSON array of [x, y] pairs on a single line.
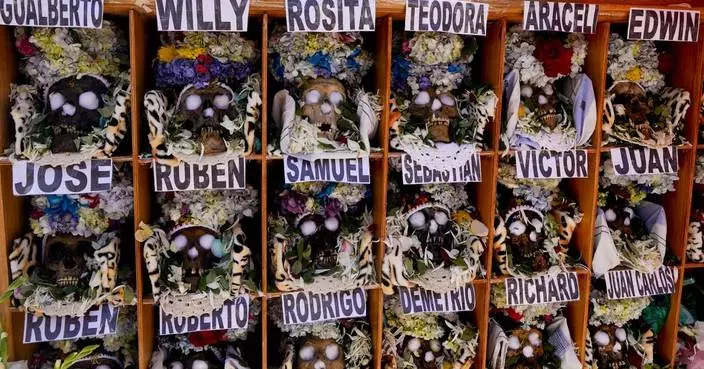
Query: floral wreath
[[639, 109], [433, 104], [539, 315], [539, 115], [321, 239], [216, 98], [322, 108], [695, 240], [199, 251], [410, 340], [434, 239], [57, 60], [84, 229]]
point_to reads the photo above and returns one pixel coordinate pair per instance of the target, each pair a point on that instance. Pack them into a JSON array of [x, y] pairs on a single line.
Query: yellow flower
[[462, 217], [166, 54], [189, 52], [634, 74], [522, 111]]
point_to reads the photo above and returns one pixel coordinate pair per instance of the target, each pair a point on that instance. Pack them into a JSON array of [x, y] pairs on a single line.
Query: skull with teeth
[[624, 219], [73, 107], [629, 98], [432, 225], [424, 352], [546, 104], [322, 99], [611, 347], [205, 359], [194, 245], [64, 259], [98, 360], [202, 110], [317, 353], [525, 348], [525, 228], [321, 233], [436, 110]]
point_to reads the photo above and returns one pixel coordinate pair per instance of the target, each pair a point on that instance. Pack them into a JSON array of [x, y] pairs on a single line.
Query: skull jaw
[[64, 143], [439, 129], [212, 142]]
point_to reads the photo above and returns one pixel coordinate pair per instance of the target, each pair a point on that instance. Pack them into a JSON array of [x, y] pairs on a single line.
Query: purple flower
[[424, 83], [293, 202]]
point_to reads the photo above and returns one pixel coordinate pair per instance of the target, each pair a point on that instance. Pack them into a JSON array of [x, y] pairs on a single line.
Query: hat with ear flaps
[[323, 109], [207, 104], [198, 251], [76, 105]]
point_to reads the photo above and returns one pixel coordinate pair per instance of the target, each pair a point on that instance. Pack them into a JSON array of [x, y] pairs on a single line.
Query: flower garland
[[637, 61], [527, 315], [634, 188], [618, 312]]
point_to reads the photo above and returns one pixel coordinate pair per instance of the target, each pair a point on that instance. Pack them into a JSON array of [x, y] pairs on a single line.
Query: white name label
[[418, 300], [229, 175], [232, 315], [643, 160], [52, 13], [98, 321], [415, 173], [560, 17], [202, 15], [29, 178], [663, 25], [309, 307], [350, 170], [543, 289], [330, 15], [452, 16], [540, 164], [629, 283]]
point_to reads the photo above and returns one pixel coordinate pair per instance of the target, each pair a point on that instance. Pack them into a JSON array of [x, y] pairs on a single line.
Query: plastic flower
[[555, 57], [166, 54], [634, 74]]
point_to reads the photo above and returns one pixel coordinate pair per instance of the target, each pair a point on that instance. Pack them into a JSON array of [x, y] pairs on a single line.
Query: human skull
[[321, 101], [624, 219], [316, 353], [321, 234], [72, 107], [201, 110], [424, 352], [546, 104], [98, 360], [432, 225], [204, 359], [630, 100], [526, 234], [437, 110], [525, 348], [64, 258], [195, 245], [611, 347]]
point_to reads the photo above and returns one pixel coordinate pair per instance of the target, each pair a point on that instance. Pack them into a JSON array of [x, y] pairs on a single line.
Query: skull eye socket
[[537, 224], [417, 220], [517, 228], [332, 352], [221, 102], [335, 98], [308, 227], [57, 251], [312, 97], [306, 353], [440, 217], [332, 224], [88, 100], [56, 100], [206, 241], [193, 102], [436, 105], [176, 365], [422, 98], [447, 100]]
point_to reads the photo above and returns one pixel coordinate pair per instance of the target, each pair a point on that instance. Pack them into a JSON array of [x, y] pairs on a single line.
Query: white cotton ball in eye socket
[[514, 343], [533, 236], [526, 91], [433, 228], [548, 90], [206, 241], [193, 253], [435, 345], [69, 109], [417, 220], [326, 108], [517, 228], [88, 100], [428, 357], [617, 347], [335, 97], [221, 101], [422, 98], [319, 365], [436, 105], [414, 344], [447, 100], [620, 334], [179, 242], [193, 102], [542, 100], [627, 222], [56, 100], [306, 353], [528, 351], [332, 224], [332, 351], [209, 112], [610, 215], [176, 365], [312, 97], [601, 338], [308, 227], [441, 218], [199, 364], [534, 339], [102, 366]]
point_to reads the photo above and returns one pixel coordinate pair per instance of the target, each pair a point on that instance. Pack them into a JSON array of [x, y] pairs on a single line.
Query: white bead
[[179, 242], [306, 353], [514, 343], [206, 241], [423, 98], [193, 253], [332, 224], [414, 344], [620, 334], [69, 109], [429, 357], [610, 215], [312, 97], [441, 218], [176, 365], [542, 100], [601, 338], [199, 364], [193, 102], [528, 351], [526, 91], [308, 228], [88, 100], [332, 351], [534, 339], [417, 220], [221, 102], [56, 100], [436, 105]]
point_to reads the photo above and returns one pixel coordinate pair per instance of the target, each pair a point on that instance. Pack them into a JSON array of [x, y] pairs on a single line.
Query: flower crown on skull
[[69, 261], [321, 239], [550, 104], [427, 340], [434, 239], [323, 108], [76, 106], [639, 108], [199, 250], [209, 80]]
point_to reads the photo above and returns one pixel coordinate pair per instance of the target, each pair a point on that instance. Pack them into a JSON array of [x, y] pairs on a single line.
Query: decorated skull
[[72, 109], [624, 219], [98, 361], [322, 98], [431, 223], [546, 104], [196, 245], [611, 347], [204, 359], [317, 353], [321, 234], [64, 259], [525, 348], [630, 99], [437, 110], [525, 226], [205, 111], [424, 352]]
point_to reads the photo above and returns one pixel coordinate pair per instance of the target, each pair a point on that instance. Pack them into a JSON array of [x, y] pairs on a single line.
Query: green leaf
[[421, 267], [17, 283], [297, 267], [75, 356]]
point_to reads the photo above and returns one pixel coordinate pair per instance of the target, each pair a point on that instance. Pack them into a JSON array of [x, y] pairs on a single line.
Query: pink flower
[[406, 47], [25, 47]]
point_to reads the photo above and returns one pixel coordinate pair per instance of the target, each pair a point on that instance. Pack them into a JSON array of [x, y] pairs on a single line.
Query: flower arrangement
[[322, 109], [199, 249], [690, 353], [427, 340], [639, 108], [215, 93], [434, 238], [433, 103], [634, 188], [551, 105], [76, 104], [68, 262], [695, 243], [321, 237], [538, 316]]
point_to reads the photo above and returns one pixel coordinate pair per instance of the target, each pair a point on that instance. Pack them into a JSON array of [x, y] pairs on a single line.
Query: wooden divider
[[488, 69]]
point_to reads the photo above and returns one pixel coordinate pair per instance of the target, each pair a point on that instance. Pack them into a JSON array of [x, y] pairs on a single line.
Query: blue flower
[[454, 68], [320, 60], [61, 204], [276, 67]]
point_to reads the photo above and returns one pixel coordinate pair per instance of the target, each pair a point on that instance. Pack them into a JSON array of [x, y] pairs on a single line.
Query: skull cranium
[[525, 228], [611, 347], [195, 246], [437, 110], [316, 353], [322, 98], [321, 234], [64, 258], [432, 225], [202, 110]]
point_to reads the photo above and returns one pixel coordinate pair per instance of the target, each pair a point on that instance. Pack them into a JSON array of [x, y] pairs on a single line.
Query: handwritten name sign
[[52, 13], [234, 314], [88, 176], [663, 25], [415, 173], [643, 160], [543, 289], [99, 321], [452, 16], [629, 283], [309, 307], [202, 15], [560, 17], [330, 15], [418, 300], [350, 170], [228, 175], [542, 164]]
